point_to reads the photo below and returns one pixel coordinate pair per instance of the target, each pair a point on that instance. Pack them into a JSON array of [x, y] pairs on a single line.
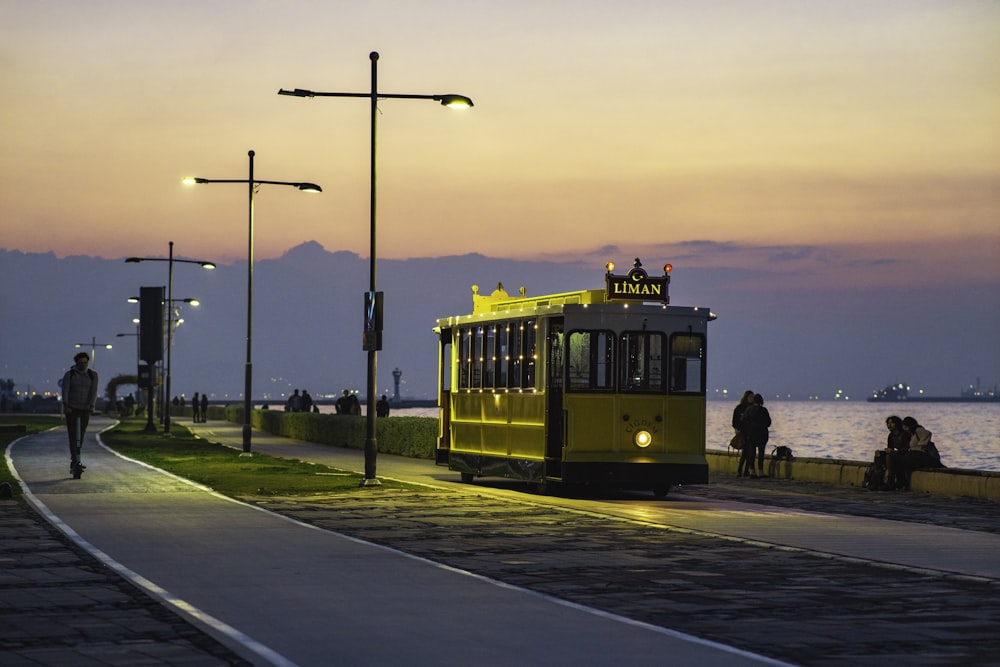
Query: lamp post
[[248, 368], [138, 355], [93, 349], [373, 333], [170, 300], [135, 321]]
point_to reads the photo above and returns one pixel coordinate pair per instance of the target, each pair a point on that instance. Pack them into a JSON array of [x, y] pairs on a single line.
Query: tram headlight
[[643, 439]]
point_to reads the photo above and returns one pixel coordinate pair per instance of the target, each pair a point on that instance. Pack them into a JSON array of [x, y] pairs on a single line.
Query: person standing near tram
[[754, 427], [738, 411]]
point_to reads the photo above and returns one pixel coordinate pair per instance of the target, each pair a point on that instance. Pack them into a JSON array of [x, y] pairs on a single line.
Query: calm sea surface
[[967, 434]]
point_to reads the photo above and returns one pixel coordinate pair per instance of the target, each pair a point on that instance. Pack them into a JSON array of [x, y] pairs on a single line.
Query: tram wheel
[[467, 477], [661, 491]]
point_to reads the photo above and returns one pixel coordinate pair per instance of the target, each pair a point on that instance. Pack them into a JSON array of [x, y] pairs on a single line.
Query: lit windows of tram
[[498, 356]]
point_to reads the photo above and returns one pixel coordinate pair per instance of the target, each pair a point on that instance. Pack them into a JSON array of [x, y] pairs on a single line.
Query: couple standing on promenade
[[751, 420]]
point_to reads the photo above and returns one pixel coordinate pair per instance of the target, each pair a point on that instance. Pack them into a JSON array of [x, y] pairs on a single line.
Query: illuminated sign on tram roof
[[637, 285]]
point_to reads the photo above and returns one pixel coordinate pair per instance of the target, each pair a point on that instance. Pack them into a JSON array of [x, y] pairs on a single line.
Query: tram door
[[444, 398], [555, 422]]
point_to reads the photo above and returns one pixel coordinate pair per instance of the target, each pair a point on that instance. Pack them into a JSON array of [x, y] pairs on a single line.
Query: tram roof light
[[609, 267], [667, 268]]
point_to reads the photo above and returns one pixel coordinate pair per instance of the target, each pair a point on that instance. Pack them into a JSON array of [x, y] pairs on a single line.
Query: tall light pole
[[170, 300], [93, 349], [372, 339], [138, 355], [135, 321], [252, 185]]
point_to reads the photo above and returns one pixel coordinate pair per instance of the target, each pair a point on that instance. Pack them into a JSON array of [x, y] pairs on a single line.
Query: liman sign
[[637, 285]]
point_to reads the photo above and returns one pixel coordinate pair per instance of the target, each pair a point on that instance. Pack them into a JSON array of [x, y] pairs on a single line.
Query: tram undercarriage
[[658, 477]]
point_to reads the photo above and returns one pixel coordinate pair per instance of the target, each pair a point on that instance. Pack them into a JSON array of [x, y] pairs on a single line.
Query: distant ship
[[901, 392]]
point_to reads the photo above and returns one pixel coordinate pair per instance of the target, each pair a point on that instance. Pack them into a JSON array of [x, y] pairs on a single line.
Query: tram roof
[[500, 304]]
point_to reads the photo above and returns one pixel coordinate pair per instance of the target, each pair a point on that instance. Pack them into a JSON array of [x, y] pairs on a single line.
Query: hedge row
[[415, 437]]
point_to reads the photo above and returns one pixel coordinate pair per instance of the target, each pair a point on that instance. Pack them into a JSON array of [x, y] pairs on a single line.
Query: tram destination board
[[637, 285]]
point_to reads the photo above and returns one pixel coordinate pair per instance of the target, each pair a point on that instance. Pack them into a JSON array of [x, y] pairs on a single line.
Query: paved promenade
[[323, 598]]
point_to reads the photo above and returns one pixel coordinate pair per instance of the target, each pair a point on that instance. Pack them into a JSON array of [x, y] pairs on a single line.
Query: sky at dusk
[[803, 146]]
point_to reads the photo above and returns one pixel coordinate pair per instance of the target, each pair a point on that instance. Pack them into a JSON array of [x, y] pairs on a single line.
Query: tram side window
[[520, 369], [642, 356], [687, 364], [590, 361], [503, 353], [489, 356], [477, 358], [465, 358], [530, 354], [516, 361]]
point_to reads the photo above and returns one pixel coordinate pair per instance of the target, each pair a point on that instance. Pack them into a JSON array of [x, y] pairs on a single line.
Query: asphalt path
[[285, 593]]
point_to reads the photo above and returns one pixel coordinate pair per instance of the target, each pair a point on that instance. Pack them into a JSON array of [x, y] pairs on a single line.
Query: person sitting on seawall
[[754, 427], [896, 445], [922, 454]]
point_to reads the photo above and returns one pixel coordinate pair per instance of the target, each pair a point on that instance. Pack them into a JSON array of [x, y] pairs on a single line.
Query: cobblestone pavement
[[788, 604], [965, 513], [60, 606]]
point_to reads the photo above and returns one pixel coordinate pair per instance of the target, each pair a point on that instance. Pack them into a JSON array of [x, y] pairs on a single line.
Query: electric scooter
[[77, 467]]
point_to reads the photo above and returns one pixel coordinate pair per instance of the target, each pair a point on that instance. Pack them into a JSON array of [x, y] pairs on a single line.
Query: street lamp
[[135, 320], [93, 349], [138, 355], [373, 333], [170, 300], [252, 184]]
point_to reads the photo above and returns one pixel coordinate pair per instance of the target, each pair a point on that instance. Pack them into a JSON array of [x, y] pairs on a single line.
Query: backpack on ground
[[779, 454], [874, 478]]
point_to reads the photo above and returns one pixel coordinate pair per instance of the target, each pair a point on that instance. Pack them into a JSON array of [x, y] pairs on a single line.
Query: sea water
[[966, 434]]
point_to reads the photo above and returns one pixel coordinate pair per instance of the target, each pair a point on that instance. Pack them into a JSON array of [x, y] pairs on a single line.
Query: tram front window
[[642, 355], [687, 364], [590, 361]]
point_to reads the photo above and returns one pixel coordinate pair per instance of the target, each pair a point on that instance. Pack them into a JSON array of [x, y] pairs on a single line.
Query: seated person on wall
[[896, 446], [921, 455]]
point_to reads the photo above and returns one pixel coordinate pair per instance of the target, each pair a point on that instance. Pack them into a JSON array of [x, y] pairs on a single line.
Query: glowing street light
[[372, 340], [170, 300], [93, 349], [252, 185]]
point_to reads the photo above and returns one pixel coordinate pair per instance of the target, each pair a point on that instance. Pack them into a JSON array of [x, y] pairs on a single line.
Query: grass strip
[[33, 424], [226, 471]]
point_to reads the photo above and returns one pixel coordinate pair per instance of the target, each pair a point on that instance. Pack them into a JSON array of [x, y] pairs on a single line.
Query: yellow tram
[[596, 387]]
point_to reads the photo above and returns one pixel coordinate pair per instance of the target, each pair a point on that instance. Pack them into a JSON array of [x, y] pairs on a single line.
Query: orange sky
[[852, 125]]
